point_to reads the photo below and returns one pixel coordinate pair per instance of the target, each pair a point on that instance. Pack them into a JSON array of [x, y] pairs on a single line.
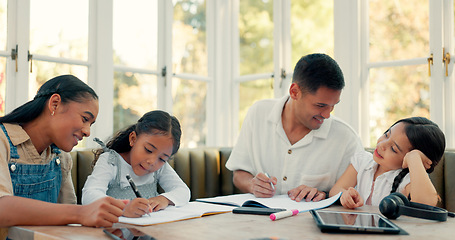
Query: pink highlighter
[[283, 214]]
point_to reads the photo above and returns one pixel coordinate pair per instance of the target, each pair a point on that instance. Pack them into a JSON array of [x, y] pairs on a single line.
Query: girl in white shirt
[[142, 151], [413, 145]]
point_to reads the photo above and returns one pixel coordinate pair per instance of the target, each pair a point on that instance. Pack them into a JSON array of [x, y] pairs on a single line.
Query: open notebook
[[216, 205], [278, 201], [172, 213]]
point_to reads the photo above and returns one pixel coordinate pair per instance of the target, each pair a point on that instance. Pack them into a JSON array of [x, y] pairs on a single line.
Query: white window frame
[[99, 71], [17, 34], [281, 58], [351, 30]]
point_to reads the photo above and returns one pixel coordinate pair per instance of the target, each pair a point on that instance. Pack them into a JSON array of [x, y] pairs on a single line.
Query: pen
[[283, 214], [133, 186], [271, 184]]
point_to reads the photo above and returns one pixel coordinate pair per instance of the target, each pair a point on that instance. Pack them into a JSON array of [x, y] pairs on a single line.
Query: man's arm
[[259, 185], [242, 180]]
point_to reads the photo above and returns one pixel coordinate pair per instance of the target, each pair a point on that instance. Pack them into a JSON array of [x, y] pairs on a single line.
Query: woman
[[35, 166]]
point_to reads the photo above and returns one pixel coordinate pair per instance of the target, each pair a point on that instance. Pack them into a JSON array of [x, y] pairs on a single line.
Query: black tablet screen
[[355, 220]]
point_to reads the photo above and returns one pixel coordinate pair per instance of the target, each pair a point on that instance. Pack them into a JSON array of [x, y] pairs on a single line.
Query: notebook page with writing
[[278, 201], [172, 213]]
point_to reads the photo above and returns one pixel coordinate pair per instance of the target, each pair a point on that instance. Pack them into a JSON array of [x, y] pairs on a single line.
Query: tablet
[[353, 222]]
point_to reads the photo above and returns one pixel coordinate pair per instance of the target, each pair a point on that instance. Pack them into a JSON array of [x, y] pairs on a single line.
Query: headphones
[[397, 204]]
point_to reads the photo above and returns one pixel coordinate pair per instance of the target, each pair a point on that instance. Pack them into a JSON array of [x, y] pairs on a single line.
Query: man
[[293, 139]]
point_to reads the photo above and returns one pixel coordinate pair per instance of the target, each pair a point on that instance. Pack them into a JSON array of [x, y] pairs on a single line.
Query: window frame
[[350, 50], [351, 30]]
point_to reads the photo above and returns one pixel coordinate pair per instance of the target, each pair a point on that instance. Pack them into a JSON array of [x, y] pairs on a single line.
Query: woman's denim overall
[[36, 181]]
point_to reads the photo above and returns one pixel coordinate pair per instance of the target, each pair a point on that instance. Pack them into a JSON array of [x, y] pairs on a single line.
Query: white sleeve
[[97, 183], [353, 147], [241, 155], [361, 160], [355, 162], [175, 189]]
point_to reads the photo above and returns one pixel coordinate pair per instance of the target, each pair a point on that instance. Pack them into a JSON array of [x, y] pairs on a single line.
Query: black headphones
[[397, 204]]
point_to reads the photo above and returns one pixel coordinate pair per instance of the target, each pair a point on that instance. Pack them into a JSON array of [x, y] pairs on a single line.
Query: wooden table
[[239, 226]]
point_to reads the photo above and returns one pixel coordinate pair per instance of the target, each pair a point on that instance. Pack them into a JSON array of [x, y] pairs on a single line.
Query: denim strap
[[13, 149]]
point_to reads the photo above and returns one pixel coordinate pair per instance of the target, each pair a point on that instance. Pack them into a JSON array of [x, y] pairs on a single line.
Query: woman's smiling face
[[72, 121]]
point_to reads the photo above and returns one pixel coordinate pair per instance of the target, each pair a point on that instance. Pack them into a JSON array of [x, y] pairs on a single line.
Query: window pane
[[311, 28], [135, 33], [189, 107], [397, 93], [252, 91], [3, 25], [59, 28], [43, 71], [2, 59], [189, 44], [2, 85], [134, 95], [256, 36], [399, 29]]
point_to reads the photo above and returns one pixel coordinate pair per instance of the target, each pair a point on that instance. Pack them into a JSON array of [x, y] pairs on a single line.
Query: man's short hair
[[318, 70]]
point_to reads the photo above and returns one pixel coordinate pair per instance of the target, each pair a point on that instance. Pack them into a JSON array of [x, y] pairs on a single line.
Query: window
[[3, 55], [398, 31], [190, 62], [311, 28], [263, 28], [403, 82], [256, 60], [135, 58], [399, 56], [58, 41], [207, 62]]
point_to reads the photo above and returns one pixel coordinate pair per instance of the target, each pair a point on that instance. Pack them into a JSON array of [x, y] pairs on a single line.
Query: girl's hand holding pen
[[136, 208], [139, 204]]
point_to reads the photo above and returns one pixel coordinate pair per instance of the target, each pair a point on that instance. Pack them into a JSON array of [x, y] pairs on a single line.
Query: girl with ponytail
[[142, 152], [404, 156]]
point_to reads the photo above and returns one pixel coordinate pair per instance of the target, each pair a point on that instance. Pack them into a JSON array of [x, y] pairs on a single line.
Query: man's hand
[[261, 186], [307, 193]]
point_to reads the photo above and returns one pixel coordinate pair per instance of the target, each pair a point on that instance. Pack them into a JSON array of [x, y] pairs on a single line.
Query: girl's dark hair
[[69, 87], [155, 122], [424, 135]]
